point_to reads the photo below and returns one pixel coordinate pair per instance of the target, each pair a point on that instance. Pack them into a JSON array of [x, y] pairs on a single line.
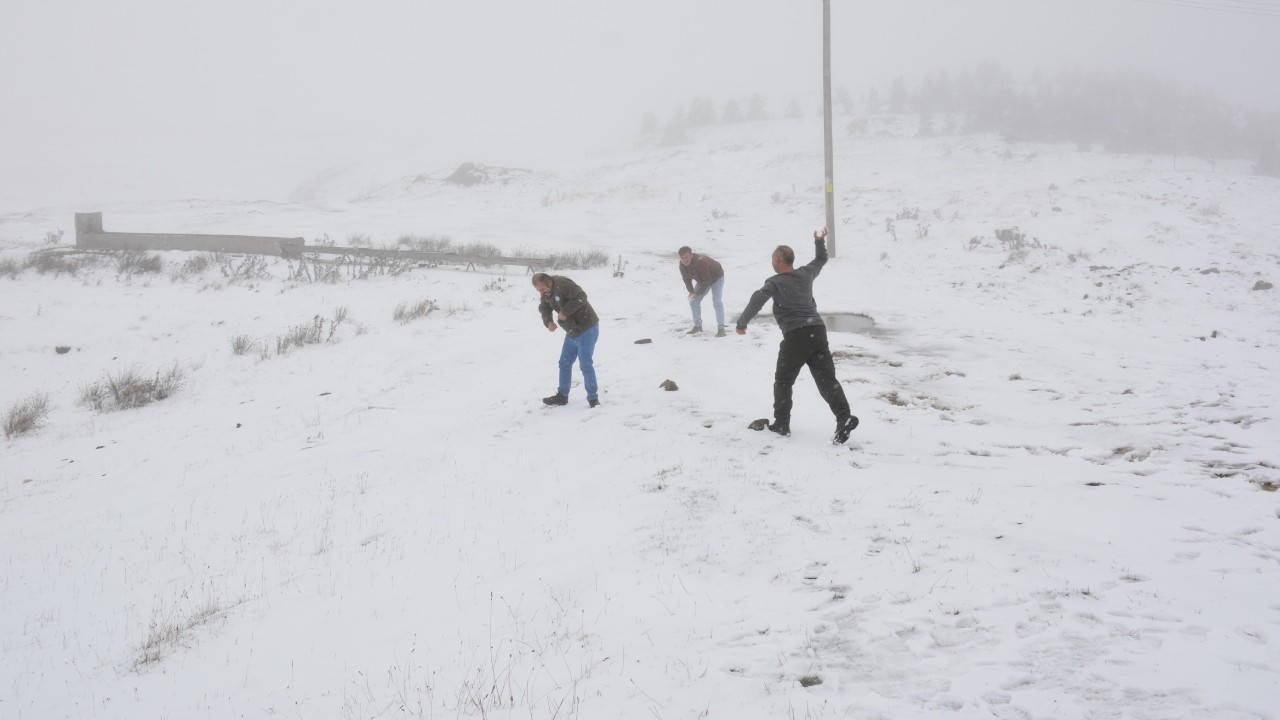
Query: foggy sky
[[108, 100]]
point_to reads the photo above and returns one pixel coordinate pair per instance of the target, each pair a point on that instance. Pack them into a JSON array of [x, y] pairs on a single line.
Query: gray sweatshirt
[[792, 294]]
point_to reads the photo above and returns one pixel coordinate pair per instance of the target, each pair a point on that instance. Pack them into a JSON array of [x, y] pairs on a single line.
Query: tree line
[[1114, 111]]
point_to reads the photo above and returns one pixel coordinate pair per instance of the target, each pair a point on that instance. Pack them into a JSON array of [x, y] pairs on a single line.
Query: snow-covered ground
[[1060, 502]]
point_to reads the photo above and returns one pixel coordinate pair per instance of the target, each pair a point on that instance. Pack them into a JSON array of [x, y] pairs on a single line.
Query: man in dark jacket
[[581, 330], [804, 337], [701, 275]]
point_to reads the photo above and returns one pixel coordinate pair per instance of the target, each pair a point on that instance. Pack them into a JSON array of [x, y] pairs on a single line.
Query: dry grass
[[196, 265], [406, 312], [427, 243], [251, 267], [26, 415], [137, 262], [130, 389], [242, 344], [579, 259], [55, 263], [317, 331]]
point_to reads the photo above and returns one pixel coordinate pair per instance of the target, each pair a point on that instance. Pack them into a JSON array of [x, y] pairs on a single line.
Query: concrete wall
[[91, 236]]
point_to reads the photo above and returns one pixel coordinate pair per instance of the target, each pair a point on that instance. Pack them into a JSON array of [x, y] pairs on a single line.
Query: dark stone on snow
[[669, 386]]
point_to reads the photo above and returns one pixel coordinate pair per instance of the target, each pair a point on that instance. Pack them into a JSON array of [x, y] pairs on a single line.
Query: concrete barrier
[[91, 236]]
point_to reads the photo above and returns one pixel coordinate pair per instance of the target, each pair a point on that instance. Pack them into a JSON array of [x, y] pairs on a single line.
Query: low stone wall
[[91, 236]]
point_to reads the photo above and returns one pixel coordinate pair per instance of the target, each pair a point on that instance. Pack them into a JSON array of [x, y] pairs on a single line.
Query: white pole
[[826, 123]]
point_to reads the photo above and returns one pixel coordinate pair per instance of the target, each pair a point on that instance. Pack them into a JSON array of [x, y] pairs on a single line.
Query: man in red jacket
[[701, 275]]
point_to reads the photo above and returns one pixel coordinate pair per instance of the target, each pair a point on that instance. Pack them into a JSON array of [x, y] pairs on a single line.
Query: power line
[[1218, 6]]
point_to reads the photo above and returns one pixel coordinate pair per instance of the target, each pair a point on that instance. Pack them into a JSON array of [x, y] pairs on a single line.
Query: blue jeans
[[717, 290], [582, 349]]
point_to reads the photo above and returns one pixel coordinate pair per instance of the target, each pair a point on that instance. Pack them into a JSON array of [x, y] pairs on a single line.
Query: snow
[[1059, 503]]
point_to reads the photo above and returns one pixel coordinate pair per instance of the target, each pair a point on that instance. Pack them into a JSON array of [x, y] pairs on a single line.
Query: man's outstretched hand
[[820, 234]]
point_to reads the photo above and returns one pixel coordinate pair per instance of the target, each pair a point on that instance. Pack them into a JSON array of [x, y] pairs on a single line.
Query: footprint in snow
[[1030, 629], [1250, 632]]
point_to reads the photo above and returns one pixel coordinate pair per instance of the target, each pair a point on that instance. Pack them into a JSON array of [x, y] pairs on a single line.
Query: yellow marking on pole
[[830, 187]]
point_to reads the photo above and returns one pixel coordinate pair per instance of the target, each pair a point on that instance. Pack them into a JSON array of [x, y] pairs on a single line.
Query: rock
[[760, 424], [1262, 285], [669, 386], [469, 174], [643, 341]]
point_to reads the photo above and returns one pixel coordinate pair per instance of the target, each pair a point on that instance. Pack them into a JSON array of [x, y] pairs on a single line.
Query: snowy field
[[1060, 502]]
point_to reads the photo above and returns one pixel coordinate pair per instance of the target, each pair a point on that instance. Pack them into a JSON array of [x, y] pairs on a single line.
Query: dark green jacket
[[567, 297]]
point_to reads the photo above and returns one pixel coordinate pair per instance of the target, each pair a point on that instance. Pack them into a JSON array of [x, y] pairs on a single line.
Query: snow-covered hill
[[1060, 502]]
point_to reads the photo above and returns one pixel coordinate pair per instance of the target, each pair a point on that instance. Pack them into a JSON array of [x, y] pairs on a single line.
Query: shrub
[[242, 344], [130, 389], [196, 265], [429, 243], [26, 415], [131, 262], [406, 312], [315, 271], [53, 237], [1016, 242], [52, 262], [311, 333], [362, 267], [251, 267], [10, 268], [579, 259], [62, 349], [480, 249], [299, 335]]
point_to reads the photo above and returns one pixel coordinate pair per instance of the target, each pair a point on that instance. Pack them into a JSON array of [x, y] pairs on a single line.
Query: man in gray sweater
[[804, 337]]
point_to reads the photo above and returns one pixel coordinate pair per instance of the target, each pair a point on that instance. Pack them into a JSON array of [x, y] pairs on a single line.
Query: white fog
[[246, 99]]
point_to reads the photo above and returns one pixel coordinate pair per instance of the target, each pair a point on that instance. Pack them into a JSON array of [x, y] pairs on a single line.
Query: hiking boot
[[844, 426], [593, 402], [721, 332], [556, 399], [783, 429], [695, 330]]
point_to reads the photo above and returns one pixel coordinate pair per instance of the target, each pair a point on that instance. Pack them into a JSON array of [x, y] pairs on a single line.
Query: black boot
[[844, 426], [556, 399], [783, 429]]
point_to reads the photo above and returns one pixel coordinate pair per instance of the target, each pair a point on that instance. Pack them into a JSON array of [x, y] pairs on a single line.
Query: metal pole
[[826, 123]]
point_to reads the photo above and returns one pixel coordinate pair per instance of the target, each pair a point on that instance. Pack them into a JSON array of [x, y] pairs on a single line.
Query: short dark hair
[[541, 278], [683, 250], [786, 253]]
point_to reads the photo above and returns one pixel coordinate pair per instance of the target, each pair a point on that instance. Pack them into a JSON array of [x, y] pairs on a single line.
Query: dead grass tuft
[[26, 415], [131, 389], [407, 312]]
